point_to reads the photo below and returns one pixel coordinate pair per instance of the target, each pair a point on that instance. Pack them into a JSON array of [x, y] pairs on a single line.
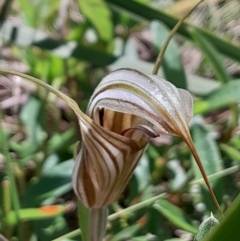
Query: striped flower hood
[[126, 109]]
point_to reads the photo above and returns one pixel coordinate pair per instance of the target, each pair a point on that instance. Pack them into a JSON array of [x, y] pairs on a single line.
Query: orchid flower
[[126, 109]]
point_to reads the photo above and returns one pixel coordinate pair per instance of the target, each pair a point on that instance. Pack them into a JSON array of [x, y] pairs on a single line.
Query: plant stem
[[6, 197], [7, 206], [93, 222], [49, 88], [171, 34], [13, 187], [191, 146], [217, 175]]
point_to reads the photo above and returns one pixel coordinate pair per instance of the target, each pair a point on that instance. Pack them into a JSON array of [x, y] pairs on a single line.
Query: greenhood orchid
[[126, 109]]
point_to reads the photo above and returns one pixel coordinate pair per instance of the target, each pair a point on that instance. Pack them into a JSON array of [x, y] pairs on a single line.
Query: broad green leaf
[[50, 228], [97, 12], [156, 224], [212, 55], [34, 213], [35, 12], [207, 148], [35, 133], [209, 154], [227, 94], [53, 183], [174, 214], [205, 228], [142, 173], [228, 229], [201, 85], [49, 163], [60, 142], [179, 174], [146, 12], [172, 66]]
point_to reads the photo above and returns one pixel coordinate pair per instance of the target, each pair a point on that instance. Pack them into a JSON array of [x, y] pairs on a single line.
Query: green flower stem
[[171, 34], [6, 197], [7, 205], [217, 175], [20, 178], [92, 222], [150, 201], [13, 187]]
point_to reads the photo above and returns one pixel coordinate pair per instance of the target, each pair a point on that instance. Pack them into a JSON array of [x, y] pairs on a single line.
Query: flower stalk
[[92, 222]]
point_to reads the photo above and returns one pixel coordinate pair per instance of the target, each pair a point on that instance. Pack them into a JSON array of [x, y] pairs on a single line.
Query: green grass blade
[[227, 94], [97, 12], [206, 228], [171, 64], [174, 214], [13, 185], [212, 55], [34, 213], [148, 13], [231, 152]]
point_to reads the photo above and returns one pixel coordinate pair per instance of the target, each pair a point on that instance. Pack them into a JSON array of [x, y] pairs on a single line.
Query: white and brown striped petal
[[147, 96], [123, 110]]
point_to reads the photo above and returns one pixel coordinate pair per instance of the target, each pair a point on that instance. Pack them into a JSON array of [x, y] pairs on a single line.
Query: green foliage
[[206, 228], [228, 226], [92, 9], [174, 215]]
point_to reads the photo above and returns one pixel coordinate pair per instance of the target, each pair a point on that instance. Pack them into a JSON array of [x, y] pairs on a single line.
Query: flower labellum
[[126, 109]]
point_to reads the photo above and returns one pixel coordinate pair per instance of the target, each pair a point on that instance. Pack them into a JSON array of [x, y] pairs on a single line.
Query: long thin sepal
[[59, 94], [190, 144]]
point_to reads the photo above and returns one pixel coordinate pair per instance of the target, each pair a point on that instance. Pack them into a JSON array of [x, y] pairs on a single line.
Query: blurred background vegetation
[[72, 44]]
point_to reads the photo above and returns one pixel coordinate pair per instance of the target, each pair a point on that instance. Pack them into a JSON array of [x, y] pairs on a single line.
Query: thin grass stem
[[159, 60]]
